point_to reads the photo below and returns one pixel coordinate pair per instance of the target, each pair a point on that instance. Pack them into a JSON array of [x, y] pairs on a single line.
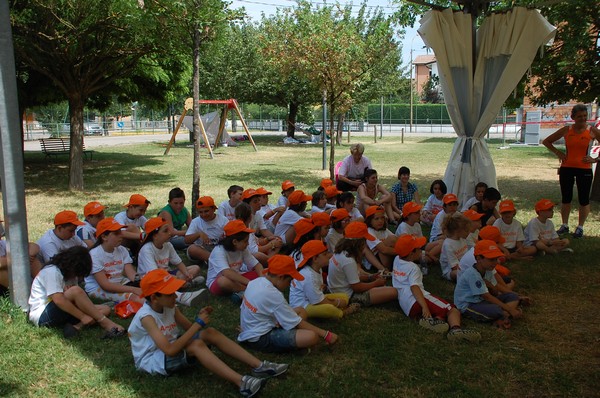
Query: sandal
[[114, 333]]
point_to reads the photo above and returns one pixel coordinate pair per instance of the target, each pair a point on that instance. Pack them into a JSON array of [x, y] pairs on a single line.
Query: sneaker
[[198, 299], [578, 233], [434, 324], [463, 334], [236, 298], [250, 386], [567, 250], [563, 230], [270, 369], [361, 298]]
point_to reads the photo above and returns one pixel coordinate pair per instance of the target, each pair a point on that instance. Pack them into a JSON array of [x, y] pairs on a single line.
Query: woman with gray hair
[[352, 169]]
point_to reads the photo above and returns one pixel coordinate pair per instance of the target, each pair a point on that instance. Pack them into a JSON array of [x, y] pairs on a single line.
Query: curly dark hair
[[74, 262]]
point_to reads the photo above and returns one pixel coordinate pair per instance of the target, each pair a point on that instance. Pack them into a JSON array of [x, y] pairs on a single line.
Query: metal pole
[[411, 88], [381, 120], [324, 131], [11, 165]]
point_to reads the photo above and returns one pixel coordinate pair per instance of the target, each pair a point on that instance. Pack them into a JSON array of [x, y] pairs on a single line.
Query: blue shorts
[[178, 362], [485, 311], [277, 340], [53, 316]]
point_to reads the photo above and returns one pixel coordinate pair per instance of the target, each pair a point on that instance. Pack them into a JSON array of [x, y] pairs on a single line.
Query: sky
[[255, 8]]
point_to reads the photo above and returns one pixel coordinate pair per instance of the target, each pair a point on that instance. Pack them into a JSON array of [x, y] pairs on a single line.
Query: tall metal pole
[[411, 87], [381, 120], [324, 132], [11, 165]]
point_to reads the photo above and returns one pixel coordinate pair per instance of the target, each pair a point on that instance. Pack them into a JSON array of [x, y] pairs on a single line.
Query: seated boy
[[487, 206], [472, 296], [450, 207], [268, 322], [540, 232], [134, 220], [93, 213], [512, 232], [227, 207], [158, 348], [205, 231], [61, 237]]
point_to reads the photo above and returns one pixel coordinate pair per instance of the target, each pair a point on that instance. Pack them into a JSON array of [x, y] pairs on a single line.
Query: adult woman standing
[[404, 191], [351, 171], [575, 165]]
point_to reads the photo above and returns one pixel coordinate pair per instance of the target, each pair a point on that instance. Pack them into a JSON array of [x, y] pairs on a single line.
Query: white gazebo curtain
[[506, 44]]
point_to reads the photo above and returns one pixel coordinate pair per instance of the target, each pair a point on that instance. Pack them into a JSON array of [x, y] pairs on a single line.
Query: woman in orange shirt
[[575, 165]]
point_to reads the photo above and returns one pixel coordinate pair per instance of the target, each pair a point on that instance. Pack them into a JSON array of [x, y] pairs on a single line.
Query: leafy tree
[[431, 91]]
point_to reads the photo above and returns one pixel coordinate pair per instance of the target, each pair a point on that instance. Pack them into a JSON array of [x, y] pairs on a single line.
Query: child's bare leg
[[230, 286], [306, 338], [382, 294], [77, 296], [198, 252], [229, 347], [454, 318], [210, 361]]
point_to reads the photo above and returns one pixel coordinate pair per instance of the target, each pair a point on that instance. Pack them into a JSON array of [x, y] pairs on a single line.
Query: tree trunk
[[340, 129], [196, 122], [291, 119], [76, 140], [331, 144]]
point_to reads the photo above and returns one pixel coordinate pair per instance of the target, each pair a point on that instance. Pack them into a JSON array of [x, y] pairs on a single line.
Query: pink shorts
[[216, 289], [438, 307]]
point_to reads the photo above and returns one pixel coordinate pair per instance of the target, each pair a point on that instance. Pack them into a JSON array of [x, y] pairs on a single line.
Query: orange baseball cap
[[321, 219], [287, 184], [137, 200], [153, 224], [159, 281], [283, 265], [93, 208], [410, 208], [544, 204], [235, 227], [489, 232], [372, 210], [506, 205], [205, 201], [298, 197], [326, 182], [339, 215], [302, 227], [67, 217], [406, 243], [250, 192], [357, 230], [263, 191], [108, 224], [449, 198], [311, 249], [472, 215], [331, 191], [487, 249]]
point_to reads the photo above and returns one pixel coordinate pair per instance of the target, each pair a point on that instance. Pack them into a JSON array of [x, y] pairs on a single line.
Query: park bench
[[60, 146]]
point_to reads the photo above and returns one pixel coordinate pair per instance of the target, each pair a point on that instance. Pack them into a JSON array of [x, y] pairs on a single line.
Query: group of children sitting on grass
[[333, 258]]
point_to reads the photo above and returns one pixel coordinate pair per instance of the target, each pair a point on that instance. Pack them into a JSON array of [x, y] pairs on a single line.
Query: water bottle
[[423, 263]]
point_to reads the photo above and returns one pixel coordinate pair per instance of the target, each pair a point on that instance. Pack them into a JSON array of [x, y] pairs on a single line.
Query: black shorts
[[570, 175]]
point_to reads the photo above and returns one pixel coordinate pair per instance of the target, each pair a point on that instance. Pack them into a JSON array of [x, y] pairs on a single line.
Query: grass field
[[552, 351]]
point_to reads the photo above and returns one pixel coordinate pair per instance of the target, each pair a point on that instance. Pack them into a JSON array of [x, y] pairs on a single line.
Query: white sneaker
[[199, 298], [197, 281], [251, 385]]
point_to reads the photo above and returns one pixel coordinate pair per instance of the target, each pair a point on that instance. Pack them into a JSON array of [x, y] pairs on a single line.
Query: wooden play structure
[[230, 104]]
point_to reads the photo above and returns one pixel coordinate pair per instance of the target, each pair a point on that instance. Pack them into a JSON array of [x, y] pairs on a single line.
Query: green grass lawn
[[552, 351]]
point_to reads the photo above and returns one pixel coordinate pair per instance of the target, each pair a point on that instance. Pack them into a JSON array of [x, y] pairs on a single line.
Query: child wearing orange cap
[[253, 198], [205, 231], [268, 322], [295, 211], [471, 294], [93, 213], [383, 245], [450, 207], [227, 207], [455, 244], [287, 187], [512, 232], [267, 210], [344, 275], [112, 266], [434, 203], [540, 232], [474, 227], [159, 348], [177, 216], [61, 237], [231, 266], [57, 301], [315, 228], [308, 293], [339, 219], [134, 220], [433, 313], [331, 194]]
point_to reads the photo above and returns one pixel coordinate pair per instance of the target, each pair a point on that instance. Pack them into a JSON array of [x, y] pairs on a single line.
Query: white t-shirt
[[47, 282], [332, 238], [404, 275], [355, 214], [379, 237], [433, 204], [112, 264], [436, 226], [263, 308], [226, 210], [261, 214], [146, 355], [472, 201], [151, 257], [308, 291], [122, 218], [50, 245], [535, 231], [282, 201], [286, 221], [213, 229], [472, 238], [405, 228], [343, 272], [452, 252], [221, 259], [86, 232], [512, 232]]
